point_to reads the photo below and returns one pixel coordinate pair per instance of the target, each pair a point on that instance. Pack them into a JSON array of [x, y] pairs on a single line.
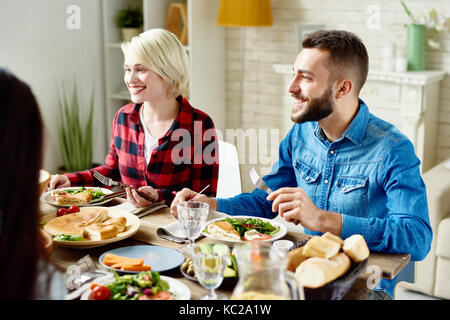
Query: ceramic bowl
[[44, 179]]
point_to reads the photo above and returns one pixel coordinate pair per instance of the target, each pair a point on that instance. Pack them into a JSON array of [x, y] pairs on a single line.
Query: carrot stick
[[135, 268], [113, 259], [125, 263]]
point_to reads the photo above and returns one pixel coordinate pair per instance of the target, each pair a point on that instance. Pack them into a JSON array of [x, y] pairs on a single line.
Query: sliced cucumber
[[205, 248], [220, 249], [229, 273]]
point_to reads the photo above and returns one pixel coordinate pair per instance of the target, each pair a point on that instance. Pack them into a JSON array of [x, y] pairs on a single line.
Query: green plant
[[129, 18], [75, 133]]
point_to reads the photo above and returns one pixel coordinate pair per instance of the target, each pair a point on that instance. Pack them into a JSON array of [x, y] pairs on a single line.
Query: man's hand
[[137, 200], [59, 181], [294, 204], [186, 195]]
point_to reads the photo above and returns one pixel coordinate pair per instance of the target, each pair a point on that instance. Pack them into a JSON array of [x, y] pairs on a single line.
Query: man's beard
[[317, 109]]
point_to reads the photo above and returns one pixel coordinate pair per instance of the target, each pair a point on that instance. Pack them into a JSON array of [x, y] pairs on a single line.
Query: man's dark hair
[[347, 51]]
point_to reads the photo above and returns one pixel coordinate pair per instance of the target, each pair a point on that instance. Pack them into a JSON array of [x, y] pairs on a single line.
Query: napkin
[[174, 229], [140, 212]]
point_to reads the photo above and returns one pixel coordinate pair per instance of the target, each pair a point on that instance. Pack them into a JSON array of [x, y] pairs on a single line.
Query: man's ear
[[344, 87]]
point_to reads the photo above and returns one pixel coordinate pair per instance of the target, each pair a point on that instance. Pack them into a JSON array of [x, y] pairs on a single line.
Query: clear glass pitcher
[[263, 274]]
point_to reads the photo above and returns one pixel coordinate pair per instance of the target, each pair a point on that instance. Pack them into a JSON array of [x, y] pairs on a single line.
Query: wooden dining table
[[380, 265]]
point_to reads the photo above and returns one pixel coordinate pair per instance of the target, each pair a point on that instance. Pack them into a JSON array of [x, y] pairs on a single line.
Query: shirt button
[[326, 181], [344, 189], [307, 178], [332, 152]]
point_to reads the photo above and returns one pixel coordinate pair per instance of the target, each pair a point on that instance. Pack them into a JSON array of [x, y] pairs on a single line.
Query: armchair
[[432, 275]]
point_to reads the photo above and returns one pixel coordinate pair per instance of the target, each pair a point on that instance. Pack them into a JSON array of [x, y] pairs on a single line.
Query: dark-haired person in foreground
[[25, 272], [340, 168]]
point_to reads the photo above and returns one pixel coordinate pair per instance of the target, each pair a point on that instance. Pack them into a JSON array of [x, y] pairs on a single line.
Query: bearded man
[[340, 168]]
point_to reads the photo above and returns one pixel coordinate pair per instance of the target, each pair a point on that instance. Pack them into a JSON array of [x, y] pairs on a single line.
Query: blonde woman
[[160, 144]]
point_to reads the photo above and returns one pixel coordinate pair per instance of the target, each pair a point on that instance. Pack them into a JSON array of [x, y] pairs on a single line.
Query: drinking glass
[[192, 216], [209, 268]]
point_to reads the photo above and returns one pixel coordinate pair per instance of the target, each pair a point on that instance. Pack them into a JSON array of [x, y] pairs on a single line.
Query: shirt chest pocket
[[351, 196], [307, 178]]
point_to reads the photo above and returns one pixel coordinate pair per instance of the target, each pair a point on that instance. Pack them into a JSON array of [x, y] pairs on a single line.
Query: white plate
[[178, 288], [133, 224], [47, 197], [278, 235]]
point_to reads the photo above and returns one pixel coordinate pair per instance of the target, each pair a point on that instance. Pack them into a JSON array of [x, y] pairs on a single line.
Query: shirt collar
[[355, 131], [183, 119]]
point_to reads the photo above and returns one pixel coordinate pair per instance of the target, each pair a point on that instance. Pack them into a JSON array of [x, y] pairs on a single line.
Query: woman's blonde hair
[[160, 50]]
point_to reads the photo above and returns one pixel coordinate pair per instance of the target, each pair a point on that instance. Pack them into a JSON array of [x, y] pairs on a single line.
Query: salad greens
[[96, 193], [131, 287], [244, 225], [67, 237]]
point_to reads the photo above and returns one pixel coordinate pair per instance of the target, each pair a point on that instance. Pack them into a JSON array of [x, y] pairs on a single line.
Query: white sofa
[[432, 275]]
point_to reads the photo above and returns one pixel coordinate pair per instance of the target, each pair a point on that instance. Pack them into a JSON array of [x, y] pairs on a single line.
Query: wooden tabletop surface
[[389, 264]]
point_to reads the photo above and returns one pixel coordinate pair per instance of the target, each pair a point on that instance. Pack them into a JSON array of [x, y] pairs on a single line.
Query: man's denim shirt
[[370, 175]]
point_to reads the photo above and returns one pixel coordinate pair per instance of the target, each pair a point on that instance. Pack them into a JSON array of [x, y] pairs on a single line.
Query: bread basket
[[334, 290]]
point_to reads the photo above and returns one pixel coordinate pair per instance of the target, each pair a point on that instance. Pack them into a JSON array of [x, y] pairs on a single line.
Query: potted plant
[[130, 21], [422, 30], [75, 132]]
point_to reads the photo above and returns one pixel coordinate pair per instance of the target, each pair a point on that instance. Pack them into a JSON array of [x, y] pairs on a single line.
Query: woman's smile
[[135, 89]]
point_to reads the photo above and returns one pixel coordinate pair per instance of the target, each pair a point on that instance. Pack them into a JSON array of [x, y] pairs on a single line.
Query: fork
[[258, 182], [199, 193], [110, 182], [109, 196]]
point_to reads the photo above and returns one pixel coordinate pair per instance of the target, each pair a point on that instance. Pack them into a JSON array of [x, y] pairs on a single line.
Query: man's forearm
[[330, 222]]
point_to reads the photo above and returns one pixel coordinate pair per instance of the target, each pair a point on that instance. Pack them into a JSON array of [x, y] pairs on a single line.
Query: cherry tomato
[[93, 285], [73, 209], [61, 212], [101, 293], [162, 295]]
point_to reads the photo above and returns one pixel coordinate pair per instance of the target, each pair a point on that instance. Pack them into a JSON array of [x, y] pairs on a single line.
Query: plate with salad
[[95, 198], [236, 229], [147, 285]]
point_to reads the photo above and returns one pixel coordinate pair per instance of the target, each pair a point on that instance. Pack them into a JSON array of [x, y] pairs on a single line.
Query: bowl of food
[[46, 242], [44, 179]]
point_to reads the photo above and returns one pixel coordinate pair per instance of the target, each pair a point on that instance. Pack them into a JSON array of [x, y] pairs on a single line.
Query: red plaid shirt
[[166, 172]]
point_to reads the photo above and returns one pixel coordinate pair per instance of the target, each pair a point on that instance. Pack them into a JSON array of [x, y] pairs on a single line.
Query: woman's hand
[[186, 195], [139, 201], [58, 181]]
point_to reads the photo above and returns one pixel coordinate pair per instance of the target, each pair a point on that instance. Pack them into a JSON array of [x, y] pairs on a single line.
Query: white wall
[[38, 47], [263, 89]]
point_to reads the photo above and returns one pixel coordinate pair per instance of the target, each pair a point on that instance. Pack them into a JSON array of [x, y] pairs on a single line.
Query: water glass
[[192, 217], [209, 268]]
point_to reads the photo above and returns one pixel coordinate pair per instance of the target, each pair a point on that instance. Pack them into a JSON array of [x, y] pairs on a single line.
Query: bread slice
[[295, 257], [65, 198], [321, 247], [356, 248], [119, 222], [98, 232], [223, 230], [317, 272], [332, 237]]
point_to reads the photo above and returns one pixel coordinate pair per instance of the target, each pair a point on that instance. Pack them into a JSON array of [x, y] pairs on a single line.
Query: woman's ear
[[345, 86]]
